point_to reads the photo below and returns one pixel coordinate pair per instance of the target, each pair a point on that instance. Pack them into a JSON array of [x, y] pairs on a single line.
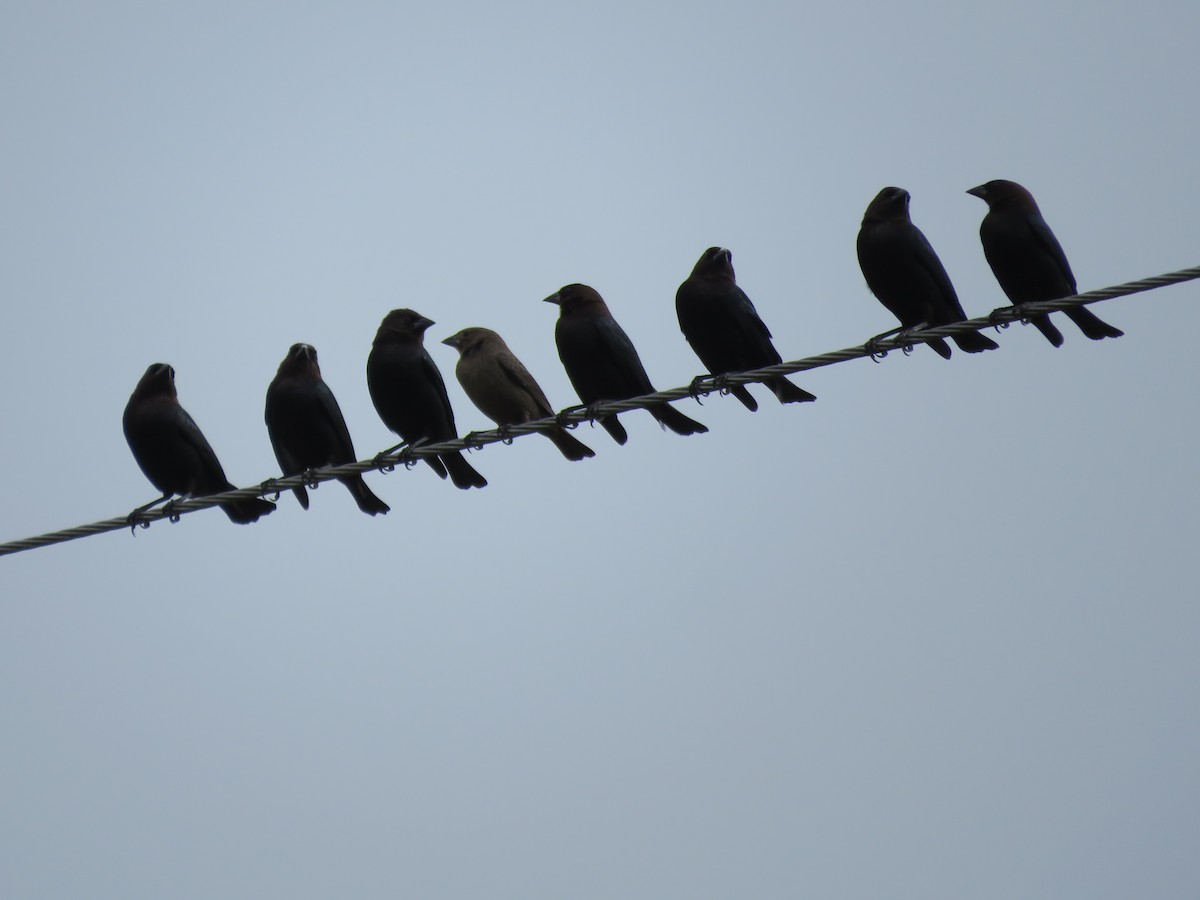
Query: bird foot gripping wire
[[563, 420], [473, 441], [998, 318], [1004, 316], [506, 436], [135, 518], [384, 461], [310, 480], [703, 385], [269, 487]]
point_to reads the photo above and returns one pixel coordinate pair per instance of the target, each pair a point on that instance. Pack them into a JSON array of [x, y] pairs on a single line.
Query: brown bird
[[724, 329], [1028, 260], [902, 270], [307, 428], [601, 361], [171, 450], [503, 389], [410, 396]]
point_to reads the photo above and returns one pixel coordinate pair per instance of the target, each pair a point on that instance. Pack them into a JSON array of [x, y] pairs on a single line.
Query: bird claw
[[877, 353], [169, 509], [473, 441], [506, 436], [268, 487], [134, 519], [699, 387], [589, 408], [310, 480]]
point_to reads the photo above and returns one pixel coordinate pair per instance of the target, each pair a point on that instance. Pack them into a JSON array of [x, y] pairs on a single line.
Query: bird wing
[[1046, 240], [518, 376]]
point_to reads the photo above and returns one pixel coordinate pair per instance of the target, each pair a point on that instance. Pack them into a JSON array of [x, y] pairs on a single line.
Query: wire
[[703, 385]]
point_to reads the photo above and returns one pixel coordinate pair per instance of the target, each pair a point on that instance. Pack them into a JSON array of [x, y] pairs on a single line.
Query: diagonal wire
[[409, 456]]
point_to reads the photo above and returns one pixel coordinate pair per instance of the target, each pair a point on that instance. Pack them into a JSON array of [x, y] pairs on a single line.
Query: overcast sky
[[933, 636]]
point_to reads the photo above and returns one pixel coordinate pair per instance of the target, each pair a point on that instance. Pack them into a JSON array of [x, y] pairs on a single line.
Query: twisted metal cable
[[410, 455]]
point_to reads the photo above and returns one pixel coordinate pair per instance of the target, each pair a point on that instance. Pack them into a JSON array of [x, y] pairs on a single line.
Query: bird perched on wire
[[724, 329], [601, 361], [307, 428], [902, 270], [410, 396], [1027, 259], [503, 389], [171, 450]]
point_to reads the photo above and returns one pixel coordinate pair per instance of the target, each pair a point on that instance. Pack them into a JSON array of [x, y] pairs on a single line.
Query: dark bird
[[1027, 259], [307, 428], [601, 361], [724, 329], [171, 450], [410, 396], [503, 389], [905, 274]]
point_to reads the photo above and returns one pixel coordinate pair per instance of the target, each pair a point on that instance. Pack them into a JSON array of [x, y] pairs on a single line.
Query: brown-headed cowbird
[[503, 389], [724, 329], [601, 361], [410, 396], [307, 428], [905, 274], [1027, 259], [172, 452]]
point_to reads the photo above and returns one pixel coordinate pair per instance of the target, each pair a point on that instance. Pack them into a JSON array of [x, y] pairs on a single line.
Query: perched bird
[[601, 362], [307, 428], [1027, 259], [410, 396], [503, 389], [905, 274], [724, 329], [171, 451]]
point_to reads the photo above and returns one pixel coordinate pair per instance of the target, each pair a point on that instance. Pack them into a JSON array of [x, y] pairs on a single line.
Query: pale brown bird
[[502, 387]]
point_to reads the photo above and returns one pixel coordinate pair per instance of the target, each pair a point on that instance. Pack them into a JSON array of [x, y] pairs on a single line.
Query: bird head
[[715, 263], [889, 204], [300, 359], [577, 298], [403, 325], [470, 339], [1000, 194]]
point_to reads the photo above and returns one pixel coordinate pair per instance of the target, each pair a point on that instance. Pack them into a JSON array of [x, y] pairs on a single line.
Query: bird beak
[[553, 298], [452, 341], [423, 323], [980, 192]]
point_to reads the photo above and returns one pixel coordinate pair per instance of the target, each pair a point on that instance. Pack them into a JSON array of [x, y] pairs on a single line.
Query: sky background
[[933, 636]]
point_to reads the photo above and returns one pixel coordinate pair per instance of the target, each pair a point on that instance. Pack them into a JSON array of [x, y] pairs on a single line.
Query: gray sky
[[933, 636]]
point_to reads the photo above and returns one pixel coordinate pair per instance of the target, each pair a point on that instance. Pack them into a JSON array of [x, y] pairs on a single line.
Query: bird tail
[[614, 428], [301, 495], [1092, 325], [942, 348], [972, 343], [672, 418], [363, 495], [748, 401], [461, 472], [570, 446], [788, 392], [246, 511], [1046, 327]]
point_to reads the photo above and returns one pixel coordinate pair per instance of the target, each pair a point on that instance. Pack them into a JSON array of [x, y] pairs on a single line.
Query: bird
[[1028, 260], [307, 428], [902, 270], [410, 396], [503, 389], [725, 330], [171, 450], [601, 361]]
